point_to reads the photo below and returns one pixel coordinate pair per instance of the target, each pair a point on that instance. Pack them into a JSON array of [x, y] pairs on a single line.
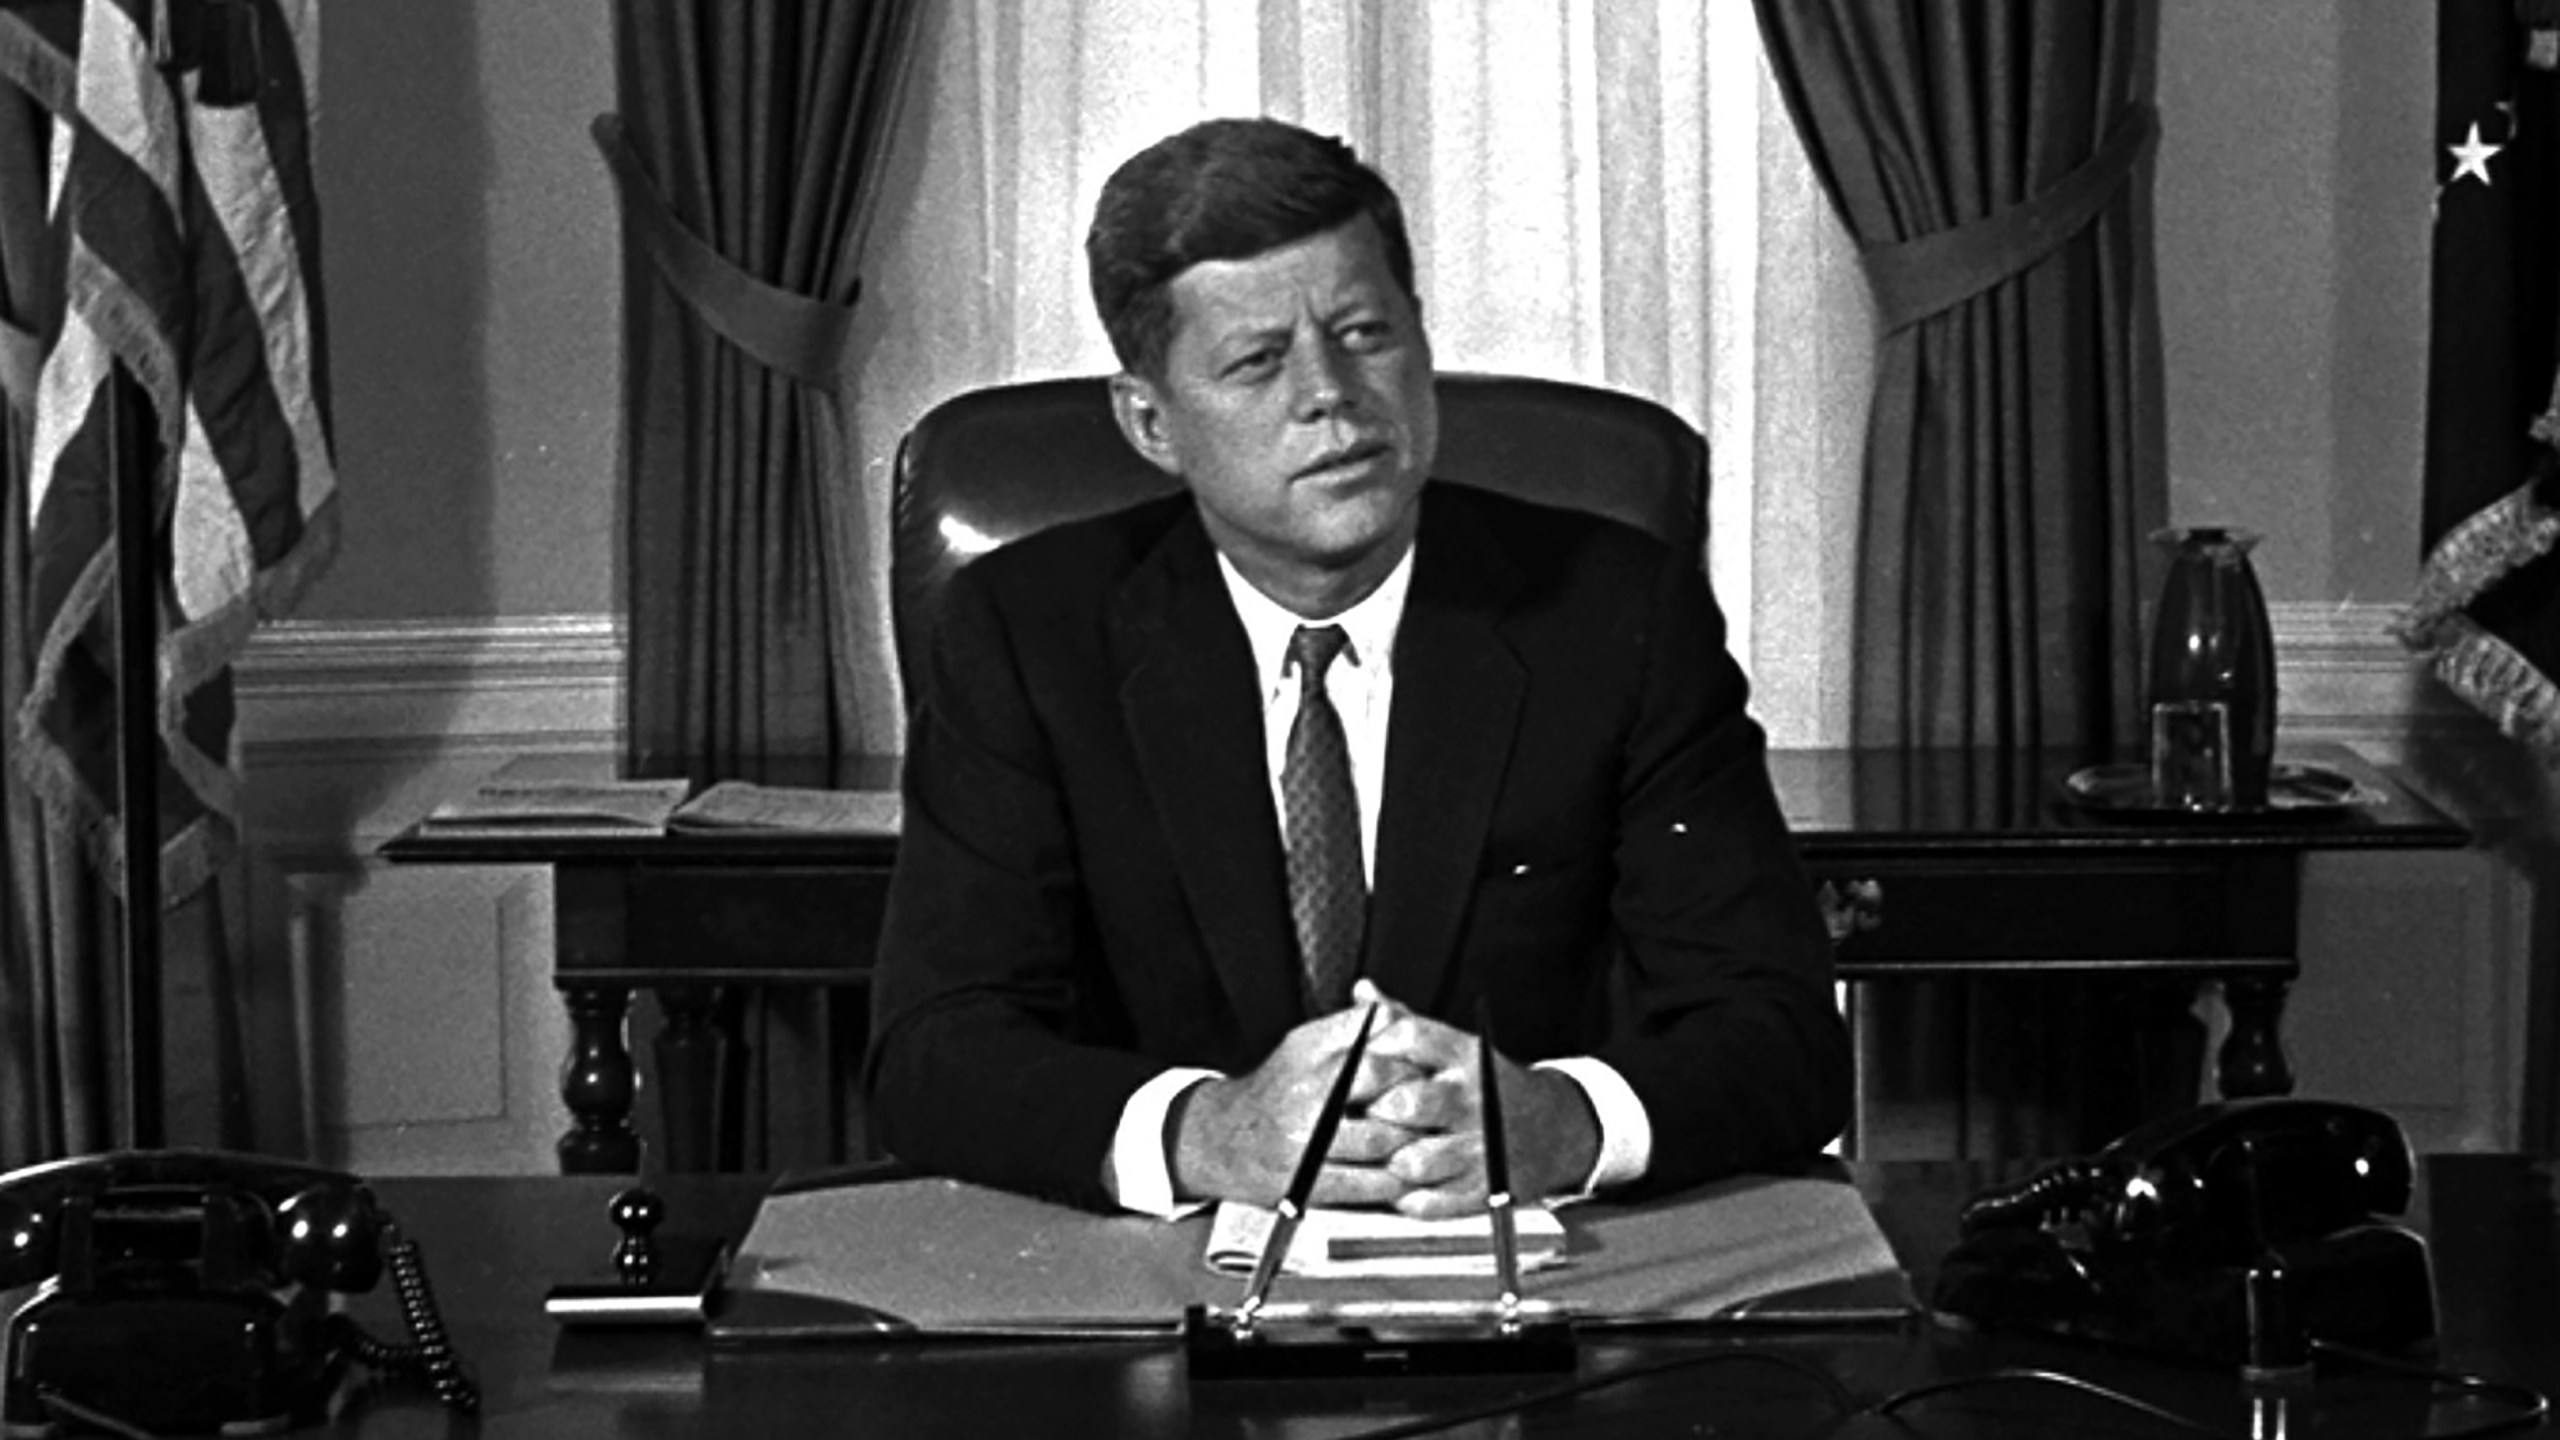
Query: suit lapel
[[1449, 737], [1189, 699]]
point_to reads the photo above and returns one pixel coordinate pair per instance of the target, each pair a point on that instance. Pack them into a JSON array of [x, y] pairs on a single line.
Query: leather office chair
[[995, 464]]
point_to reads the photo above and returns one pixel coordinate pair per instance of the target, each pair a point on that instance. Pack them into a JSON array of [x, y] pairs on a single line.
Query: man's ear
[[1135, 404]]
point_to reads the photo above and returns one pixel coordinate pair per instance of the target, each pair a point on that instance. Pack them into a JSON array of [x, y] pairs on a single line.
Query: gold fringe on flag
[[2472, 661]]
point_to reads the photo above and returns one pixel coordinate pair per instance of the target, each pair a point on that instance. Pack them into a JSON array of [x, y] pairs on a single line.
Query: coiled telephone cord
[[2052, 1196], [429, 1352]]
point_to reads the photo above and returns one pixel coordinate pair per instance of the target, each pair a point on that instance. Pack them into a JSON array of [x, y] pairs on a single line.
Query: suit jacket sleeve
[[1730, 1032], [981, 981]]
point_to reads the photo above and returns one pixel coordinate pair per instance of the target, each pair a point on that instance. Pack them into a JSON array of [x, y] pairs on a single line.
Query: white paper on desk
[[1334, 1244]]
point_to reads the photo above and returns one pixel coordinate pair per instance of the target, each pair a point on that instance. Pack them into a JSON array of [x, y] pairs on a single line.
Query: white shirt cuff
[[1140, 1163], [1626, 1132]]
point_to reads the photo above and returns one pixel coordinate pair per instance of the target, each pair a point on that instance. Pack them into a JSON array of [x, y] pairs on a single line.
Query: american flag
[[2486, 609], [186, 249]]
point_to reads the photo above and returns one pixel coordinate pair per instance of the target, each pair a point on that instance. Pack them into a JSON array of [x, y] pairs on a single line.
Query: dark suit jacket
[[1090, 883]]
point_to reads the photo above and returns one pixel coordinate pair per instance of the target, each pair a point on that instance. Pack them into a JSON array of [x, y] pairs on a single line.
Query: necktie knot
[[1311, 652]]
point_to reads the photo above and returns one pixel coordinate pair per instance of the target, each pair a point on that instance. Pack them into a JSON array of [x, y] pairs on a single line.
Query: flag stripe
[[36, 45], [287, 106], [254, 326], [256, 370], [123, 265], [118, 102], [212, 558], [190, 260], [227, 380], [71, 375]]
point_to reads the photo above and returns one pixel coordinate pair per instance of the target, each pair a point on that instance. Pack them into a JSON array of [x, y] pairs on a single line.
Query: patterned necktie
[[1328, 897]]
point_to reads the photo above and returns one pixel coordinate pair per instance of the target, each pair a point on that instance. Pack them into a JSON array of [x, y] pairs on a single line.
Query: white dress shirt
[[1361, 684]]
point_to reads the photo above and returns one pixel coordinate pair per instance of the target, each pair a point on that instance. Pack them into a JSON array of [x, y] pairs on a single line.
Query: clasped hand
[[1412, 1136]]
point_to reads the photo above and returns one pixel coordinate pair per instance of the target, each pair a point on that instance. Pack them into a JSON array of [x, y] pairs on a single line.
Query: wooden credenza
[[1930, 864]]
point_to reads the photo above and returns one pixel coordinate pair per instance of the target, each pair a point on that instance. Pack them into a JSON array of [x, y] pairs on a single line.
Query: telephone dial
[[2239, 1232], [186, 1292]]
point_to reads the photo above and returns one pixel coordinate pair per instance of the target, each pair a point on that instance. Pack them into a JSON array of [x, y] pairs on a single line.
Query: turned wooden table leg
[[598, 1083], [596, 1079], [2252, 1061]]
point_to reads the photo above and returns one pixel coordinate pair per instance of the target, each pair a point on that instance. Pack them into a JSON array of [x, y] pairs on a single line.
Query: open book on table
[[742, 807]]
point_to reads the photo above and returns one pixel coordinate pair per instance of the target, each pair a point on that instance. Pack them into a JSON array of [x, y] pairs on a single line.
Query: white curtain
[[1599, 190]]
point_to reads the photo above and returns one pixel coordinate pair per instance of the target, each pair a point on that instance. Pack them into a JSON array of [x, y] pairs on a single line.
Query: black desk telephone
[[2240, 1232], [186, 1291]]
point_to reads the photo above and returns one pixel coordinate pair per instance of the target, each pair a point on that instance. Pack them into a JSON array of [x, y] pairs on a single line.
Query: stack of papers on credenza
[[503, 807], [532, 797], [925, 1257]]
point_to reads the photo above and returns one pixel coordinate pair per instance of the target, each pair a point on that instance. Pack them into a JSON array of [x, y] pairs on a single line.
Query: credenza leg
[[598, 1083], [2252, 1060]]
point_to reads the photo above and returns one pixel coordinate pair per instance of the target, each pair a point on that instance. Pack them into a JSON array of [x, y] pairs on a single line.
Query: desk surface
[[494, 1245], [1917, 801]]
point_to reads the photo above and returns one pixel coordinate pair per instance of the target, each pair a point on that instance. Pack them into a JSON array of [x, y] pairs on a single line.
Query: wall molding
[[556, 682], [2341, 674], [317, 689]]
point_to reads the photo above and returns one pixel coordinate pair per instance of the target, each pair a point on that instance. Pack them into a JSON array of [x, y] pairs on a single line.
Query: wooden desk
[[1932, 863], [493, 1247]]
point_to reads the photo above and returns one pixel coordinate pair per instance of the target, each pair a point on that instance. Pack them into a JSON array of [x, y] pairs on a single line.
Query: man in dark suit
[[1195, 788]]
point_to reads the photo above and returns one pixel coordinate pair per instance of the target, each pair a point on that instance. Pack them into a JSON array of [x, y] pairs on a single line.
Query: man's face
[[1297, 405]]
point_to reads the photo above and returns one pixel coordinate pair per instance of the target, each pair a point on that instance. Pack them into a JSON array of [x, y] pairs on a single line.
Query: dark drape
[[1992, 160], [746, 149]]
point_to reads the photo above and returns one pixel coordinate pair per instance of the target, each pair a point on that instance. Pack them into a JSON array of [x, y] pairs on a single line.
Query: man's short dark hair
[[1221, 190]]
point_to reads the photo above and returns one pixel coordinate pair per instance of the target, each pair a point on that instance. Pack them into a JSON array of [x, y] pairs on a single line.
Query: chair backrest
[[993, 465]]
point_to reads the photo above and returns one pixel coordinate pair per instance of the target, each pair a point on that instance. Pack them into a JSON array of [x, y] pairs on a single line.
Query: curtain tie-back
[[802, 337], [1915, 279]]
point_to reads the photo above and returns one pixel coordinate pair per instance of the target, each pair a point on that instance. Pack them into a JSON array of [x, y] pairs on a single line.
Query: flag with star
[[2487, 605]]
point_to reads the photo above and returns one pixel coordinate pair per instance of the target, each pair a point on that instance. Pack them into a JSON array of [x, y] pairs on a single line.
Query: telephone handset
[[2220, 1181], [186, 1290], [2238, 1231]]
